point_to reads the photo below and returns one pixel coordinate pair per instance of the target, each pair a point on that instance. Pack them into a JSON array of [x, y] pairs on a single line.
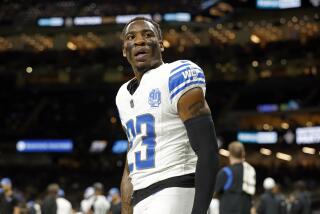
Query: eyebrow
[[143, 31]]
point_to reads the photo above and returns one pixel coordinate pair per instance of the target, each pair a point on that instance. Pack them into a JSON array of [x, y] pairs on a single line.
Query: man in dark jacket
[[115, 199], [235, 183], [270, 202], [301, 199], [9, 202], [49, 205]]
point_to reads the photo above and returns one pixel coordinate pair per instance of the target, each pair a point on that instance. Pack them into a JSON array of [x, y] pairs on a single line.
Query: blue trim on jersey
[[186, 85], [179, 78], [228, 183], [180, 66]]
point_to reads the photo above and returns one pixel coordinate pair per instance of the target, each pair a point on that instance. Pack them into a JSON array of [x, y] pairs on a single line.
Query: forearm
[[126, 193], [196, 115], [203, 140], [204, 183]]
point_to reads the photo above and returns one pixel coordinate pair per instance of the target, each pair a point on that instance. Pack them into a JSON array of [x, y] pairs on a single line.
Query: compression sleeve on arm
[[203, 141]]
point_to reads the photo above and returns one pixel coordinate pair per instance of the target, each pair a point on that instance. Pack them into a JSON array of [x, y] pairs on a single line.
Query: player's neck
[[139, 73]]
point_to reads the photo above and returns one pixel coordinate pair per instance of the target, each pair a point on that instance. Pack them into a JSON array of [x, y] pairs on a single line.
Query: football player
[[172, 157]]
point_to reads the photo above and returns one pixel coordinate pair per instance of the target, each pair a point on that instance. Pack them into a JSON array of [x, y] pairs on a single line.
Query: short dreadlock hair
[[155, 24]]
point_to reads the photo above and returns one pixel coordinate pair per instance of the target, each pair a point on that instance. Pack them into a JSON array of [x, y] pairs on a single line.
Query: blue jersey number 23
[[148, 140]]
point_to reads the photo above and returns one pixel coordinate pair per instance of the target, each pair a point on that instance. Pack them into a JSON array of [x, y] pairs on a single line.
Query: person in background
[[301, 201], [63, 205], [269, 203], [235, 184], [115, 199], [100, 204], [49, 205], [282, 200], [86, 203], [33, 207], [9, 203]]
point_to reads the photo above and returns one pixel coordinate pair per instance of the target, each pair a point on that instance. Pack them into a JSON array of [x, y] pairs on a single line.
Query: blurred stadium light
[[278, 4], [120, 146], [45, 146], [308, 135], [283, 156], [98, 146], [265, 151], [258, 137]]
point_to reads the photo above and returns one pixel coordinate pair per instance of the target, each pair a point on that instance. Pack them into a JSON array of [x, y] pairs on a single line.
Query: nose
[[139, 39]]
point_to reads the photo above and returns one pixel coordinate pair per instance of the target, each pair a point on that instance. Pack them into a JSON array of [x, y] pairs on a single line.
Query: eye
[[129, 37], [149, 34]]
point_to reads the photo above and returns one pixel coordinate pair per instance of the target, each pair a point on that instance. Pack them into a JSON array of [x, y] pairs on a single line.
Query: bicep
[[192, 104]]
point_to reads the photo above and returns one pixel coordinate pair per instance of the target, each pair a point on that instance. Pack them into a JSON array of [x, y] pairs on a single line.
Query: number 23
[[148, 140]]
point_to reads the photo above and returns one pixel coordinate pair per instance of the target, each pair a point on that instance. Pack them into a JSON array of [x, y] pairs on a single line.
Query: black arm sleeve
[[203, 141]]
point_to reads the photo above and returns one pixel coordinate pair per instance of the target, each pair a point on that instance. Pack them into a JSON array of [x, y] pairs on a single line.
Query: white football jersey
[[159, 147], [63, 206]]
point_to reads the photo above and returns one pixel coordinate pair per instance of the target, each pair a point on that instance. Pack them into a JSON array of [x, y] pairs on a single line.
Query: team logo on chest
[[155, 97]]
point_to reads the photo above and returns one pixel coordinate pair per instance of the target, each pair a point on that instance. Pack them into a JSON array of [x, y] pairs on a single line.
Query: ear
[[161, 46], [124, 54]]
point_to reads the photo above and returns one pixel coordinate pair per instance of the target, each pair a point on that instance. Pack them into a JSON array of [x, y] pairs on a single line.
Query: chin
[[142, 67]]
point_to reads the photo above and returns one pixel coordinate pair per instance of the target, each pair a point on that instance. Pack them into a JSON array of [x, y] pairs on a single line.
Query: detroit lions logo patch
[[155, 98]]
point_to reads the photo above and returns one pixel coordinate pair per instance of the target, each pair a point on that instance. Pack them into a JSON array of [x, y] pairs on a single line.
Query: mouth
[[141, 55]]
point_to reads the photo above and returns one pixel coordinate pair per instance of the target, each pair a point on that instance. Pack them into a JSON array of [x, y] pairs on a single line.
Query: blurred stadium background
[[61, 66]]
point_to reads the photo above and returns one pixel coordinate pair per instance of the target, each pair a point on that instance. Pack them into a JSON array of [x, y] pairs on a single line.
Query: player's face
[[141, 46]]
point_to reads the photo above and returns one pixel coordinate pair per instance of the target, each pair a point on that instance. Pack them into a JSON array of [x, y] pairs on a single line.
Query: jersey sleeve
[[183, 77]]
